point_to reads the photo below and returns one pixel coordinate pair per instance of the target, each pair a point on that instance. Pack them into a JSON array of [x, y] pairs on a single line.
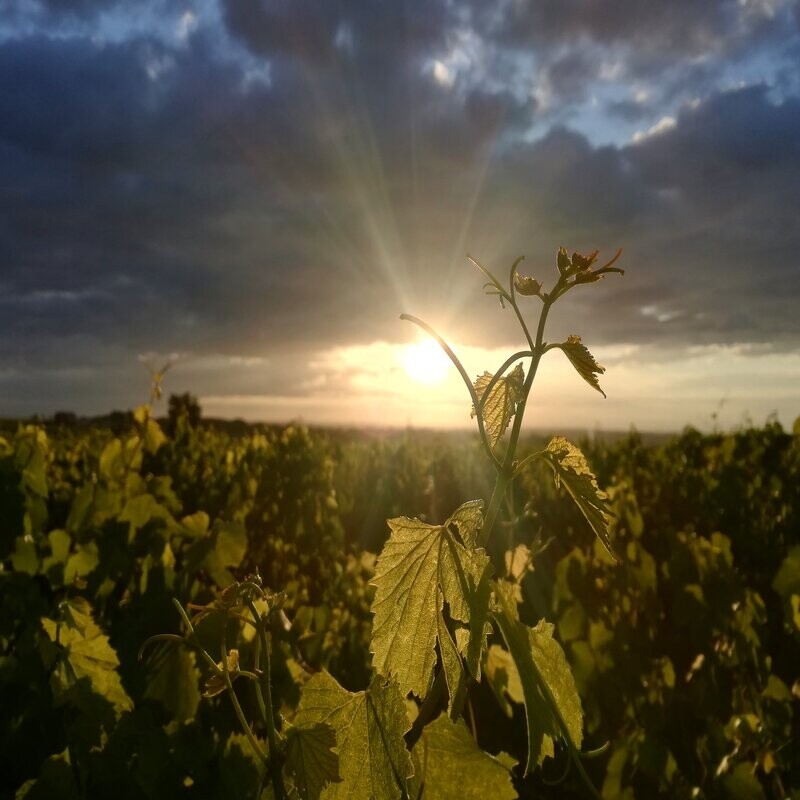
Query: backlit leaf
[[369, 728], [501, 403], [570, 468], [88, 652], [552, 705], [421, 567], [311, 760], [583, 361], [453, 767]]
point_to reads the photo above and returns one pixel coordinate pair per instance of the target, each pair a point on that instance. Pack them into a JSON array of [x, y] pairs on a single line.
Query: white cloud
[[662, 126], [442, 74], [186, 26]]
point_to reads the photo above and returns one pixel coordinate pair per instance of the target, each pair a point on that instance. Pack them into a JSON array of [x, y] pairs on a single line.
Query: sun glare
[[425, 362]]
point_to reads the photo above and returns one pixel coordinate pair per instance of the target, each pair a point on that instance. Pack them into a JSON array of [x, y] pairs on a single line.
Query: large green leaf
[[453, 767], [421, 567], [369, 728], [88, 652], [311, 760], [583, 361], [501, 403], [552, 704], [570, 468]]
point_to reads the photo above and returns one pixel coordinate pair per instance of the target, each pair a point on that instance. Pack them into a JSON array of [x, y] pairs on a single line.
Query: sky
[[255, 190]]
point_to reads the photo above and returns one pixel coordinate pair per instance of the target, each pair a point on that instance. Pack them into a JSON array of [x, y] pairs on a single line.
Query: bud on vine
[[526, 285]]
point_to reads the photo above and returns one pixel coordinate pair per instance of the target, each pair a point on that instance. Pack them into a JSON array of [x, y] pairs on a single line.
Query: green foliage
[[451, 766], [82, 651], [570, 469], [499, 405], [538, 667], [369, 728], [583, 361], [421, 568], [311, 759]]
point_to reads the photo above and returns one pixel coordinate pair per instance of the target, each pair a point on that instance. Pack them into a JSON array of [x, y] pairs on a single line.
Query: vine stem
[[226, 676], [266, 703], [505, 470], [505, 474]]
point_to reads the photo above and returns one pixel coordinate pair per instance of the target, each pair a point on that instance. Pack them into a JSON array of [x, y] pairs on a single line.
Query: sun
[[424, 362]]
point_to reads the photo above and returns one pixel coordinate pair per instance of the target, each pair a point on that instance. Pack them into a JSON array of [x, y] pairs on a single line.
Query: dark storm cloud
[[162, 195], [681, 27], [317, 32], [678, 48]]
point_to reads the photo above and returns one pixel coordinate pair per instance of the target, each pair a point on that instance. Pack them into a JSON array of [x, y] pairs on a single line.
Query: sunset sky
[[256, 190]]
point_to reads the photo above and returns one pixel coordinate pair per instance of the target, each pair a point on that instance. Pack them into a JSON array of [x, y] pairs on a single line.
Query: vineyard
[[286, 614], [685, 651]]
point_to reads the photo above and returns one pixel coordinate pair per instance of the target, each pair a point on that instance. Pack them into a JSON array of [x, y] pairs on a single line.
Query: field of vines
[[685, 650]]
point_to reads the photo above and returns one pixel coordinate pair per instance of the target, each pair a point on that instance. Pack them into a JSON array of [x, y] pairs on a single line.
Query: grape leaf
[[453, 669], [56, 781], [503, 678], [787, 579], [421, 567], [583, 361], [500, 405], [174, 682], [140, 510], [552, 704], [453, 767], [369, 728], [24, 558], [230, 544], [82, 562], [570, 468], [311, 760], [88, 652], [241, 771]]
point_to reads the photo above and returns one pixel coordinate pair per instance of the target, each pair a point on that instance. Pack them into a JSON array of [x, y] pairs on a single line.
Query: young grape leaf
[[468, 520], [88, 652], [421, 567], [501, 404], [311, 760], [369, 728], [552, 704], [453, 767], [583, 361], [570, 468]]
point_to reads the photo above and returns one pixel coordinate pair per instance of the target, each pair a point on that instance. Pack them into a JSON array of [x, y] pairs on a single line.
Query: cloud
[[276, 178]]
